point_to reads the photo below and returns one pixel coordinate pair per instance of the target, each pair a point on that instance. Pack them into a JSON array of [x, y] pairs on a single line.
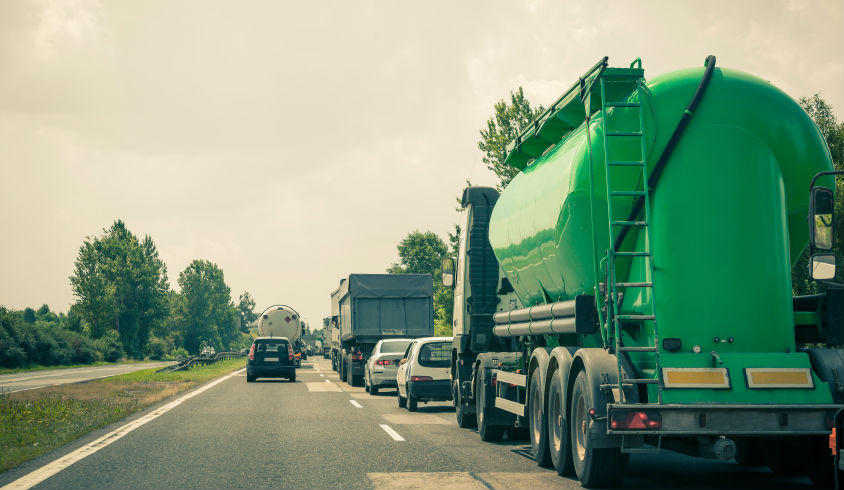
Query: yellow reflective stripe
[[779, 378], [695, 378]]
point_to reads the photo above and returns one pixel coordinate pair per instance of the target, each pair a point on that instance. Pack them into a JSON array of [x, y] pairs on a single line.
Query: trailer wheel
[[538, 425], [464, 420], [559, 443], [488, 433], [595, 467]]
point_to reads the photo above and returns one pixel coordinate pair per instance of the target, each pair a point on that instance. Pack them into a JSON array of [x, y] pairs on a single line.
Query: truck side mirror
[[822, 266], [448, 272], [821, 219]]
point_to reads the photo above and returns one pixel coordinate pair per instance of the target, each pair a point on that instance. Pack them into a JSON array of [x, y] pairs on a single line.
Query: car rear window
[[271, 347], [395, 347], [435, 354]]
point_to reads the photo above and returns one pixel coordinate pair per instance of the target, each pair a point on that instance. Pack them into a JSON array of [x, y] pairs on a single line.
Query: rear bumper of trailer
[[717, 420]]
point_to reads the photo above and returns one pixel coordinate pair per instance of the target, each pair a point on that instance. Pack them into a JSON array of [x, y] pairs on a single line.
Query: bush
[[111, 348], [179, 353], [156, 348], [12, 356]]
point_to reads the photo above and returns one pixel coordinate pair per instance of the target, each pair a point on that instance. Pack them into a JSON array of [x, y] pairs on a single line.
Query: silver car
[[383, 363]]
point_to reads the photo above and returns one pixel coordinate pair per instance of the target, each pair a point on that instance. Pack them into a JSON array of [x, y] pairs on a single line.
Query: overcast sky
[[295, 142]]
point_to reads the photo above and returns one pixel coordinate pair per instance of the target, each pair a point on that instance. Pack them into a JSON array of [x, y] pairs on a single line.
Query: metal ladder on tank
[[634, 79]]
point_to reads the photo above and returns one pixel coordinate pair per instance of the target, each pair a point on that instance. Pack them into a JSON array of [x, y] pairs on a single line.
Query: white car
[[380, 369], [424, 372]]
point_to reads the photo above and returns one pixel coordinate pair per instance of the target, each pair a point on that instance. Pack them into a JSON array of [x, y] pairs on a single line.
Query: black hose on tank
[[669, 148]]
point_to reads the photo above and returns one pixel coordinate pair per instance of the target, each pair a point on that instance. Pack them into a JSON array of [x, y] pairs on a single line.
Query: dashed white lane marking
[[353, 402], [322, 387], [463, 480], [322, 375], [389, 430], [327, 380], [415, 419], [50, 469], [414, 480]]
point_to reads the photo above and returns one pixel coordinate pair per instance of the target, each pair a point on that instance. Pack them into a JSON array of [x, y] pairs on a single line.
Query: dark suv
[[270, 357]]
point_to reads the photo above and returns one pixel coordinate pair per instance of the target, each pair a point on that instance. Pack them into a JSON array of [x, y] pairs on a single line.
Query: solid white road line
[[389, 430], [353, 402], [50, 469]]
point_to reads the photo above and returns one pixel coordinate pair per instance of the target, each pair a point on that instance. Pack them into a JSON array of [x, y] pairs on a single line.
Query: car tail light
[[357, 357], [833, 441], [289, 352], [421, 378], [252, 353], [383, 362], [636, 420]]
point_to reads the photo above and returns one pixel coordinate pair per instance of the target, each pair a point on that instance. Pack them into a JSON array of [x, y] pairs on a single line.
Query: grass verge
[[36, 421], [38, 367]]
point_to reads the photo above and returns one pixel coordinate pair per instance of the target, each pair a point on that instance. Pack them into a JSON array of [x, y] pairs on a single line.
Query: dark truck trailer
[[380, 306]]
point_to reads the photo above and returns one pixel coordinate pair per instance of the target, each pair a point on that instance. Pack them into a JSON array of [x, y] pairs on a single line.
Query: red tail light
[[357, 357], [383, 362], [833, 441], [421, 378], [252, 353], [636, 420], [289, 352]]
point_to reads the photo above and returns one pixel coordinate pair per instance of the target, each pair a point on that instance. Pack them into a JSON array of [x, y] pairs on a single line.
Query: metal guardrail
[[189, 362]]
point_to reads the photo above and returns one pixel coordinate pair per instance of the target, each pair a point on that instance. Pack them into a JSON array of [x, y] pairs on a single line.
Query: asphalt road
[[321, 433], [29, 380]]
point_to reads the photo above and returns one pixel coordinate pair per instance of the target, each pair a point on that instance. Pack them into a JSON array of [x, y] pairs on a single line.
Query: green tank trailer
[[629, 291]]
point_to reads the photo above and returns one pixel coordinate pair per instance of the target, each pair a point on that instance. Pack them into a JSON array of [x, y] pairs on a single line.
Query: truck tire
[[559, 443], [464, 420], [488, 432], [538, 424], [595, 467], [341, 366]]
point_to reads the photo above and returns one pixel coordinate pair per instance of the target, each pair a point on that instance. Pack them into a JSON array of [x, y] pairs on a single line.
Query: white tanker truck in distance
[[282, 321]]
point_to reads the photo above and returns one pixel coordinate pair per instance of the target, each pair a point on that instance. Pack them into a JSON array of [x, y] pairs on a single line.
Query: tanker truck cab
[[629, 291]]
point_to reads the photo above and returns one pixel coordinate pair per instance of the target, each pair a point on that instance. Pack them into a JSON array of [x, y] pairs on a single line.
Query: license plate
[[271, 359]]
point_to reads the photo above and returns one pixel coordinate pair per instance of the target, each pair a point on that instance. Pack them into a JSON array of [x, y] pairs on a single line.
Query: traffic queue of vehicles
[[601, 299]]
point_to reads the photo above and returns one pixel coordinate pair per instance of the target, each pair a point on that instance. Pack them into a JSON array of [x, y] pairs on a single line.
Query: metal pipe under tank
[[553, 318]]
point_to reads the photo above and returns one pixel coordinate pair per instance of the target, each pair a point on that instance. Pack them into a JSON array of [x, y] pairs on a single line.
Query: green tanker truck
[[629, 291]]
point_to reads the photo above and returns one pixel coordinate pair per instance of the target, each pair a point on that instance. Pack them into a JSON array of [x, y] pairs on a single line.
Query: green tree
[[833, 132], [419, 253], [508, 120], [246, 308], [120, 284], [29, 315], [422, 253], [204, 311]]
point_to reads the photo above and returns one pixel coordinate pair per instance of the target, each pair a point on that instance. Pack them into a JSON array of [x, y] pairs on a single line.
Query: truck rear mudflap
[[720, 419]]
